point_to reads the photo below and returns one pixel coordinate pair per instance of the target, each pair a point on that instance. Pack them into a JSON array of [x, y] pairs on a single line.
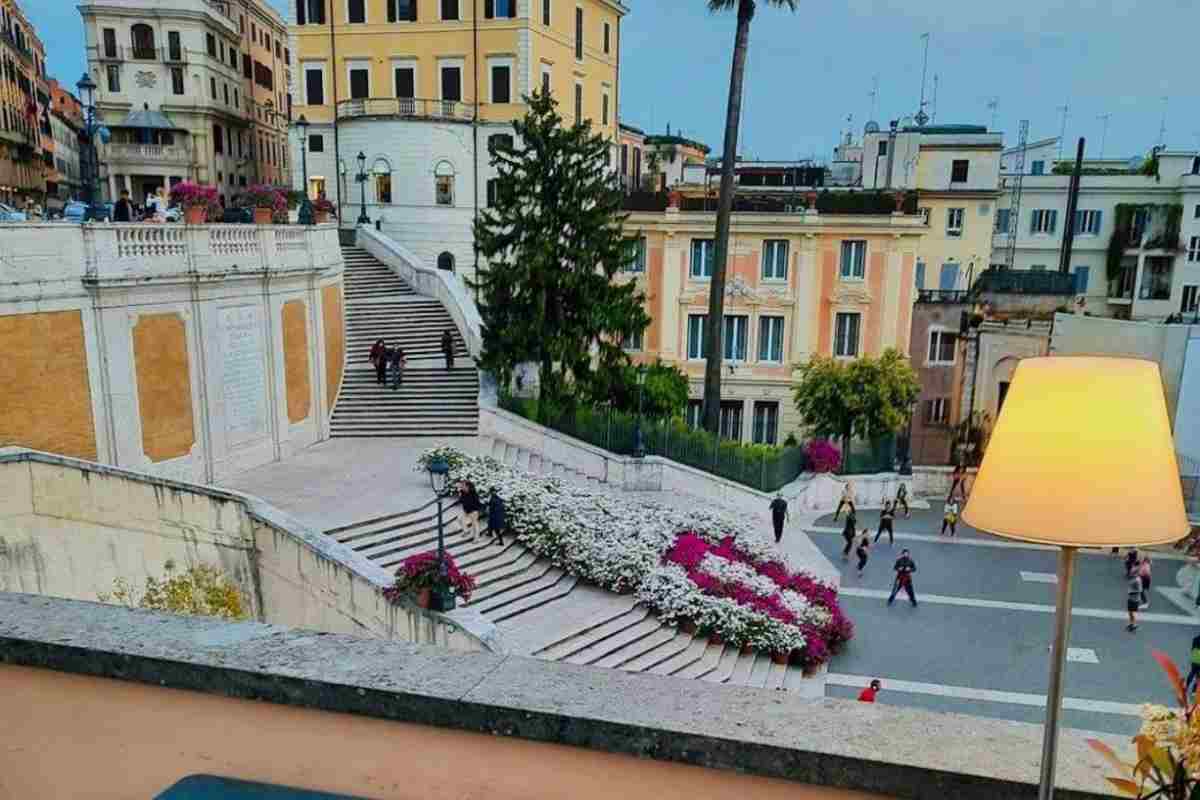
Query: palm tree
[[733, 115]]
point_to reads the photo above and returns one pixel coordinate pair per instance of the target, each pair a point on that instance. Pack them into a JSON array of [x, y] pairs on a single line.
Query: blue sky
[[807, 71]]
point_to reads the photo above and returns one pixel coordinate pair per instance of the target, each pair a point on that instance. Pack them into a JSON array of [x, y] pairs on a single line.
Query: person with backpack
[[904, 568], [885, 522], [779, 515]]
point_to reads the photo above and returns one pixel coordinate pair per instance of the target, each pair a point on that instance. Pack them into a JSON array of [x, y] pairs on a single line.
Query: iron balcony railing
[[1023, 281], [941, 296], [415, 107]]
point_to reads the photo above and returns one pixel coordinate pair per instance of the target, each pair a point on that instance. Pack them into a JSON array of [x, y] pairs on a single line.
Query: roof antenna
[[922, 117]]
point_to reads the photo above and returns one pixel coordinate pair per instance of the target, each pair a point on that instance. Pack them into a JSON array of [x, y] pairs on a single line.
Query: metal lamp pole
[[306, 210], [441, 598], [907, 463], [639, 445], [87, 93], [361, 177]]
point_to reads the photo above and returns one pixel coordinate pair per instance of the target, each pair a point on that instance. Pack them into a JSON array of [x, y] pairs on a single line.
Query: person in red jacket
[[867, 695]]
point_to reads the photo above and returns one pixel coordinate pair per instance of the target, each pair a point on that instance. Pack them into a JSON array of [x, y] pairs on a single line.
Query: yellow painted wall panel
[[45, 400], [335, 340], [160, 356], [295, 361]]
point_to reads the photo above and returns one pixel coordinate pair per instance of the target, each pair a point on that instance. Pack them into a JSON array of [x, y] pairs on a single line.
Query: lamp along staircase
[[431, 401], [553, 615]]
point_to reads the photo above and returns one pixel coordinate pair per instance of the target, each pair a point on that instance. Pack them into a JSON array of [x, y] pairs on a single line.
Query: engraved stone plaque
[[244, 373]]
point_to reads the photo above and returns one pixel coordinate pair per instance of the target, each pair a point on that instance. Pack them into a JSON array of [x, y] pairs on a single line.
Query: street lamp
[[1057, 471], [92, 130], [639, 445], [441, 598], [361, 177], [906, 462], [306, 209]]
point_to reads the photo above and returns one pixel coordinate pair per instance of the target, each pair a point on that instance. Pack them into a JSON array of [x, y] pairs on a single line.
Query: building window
[[637, 167], [211, 42], [607, 35], [578, 102], [919, 275], [1003, 220], [937, 411], [1087, 223], [310, 12], [444, 190], [493, 192], [212, 87], [845, 340], [405, 79], [113, 72], [1044, 220], [697, 327], [1081, 279], [1194, 249], [314, 86], [493, 9], [702, 258], [247, 69], [1156, 278], [235, 99], [218, 139], [1038, 168], [545, 12], [499, 141], [579, 34], [766, 423], [958, 170], [383, 188], [954, 221], [360, 84], [402, 10], [316, 143], [225, 88], [942, 346], [731, 420], [639, 259], [545, 79], [356, 11], [110, 42], [177, 80], [1196, 212], [174, 46], [449, 10], [733, 333], [1191, 299], [624, 159], [948, 279], [452, 84], [634, 341], [775, 260], [501, 83], [604, 109], [770, 339], [883, 147], [854, 260]]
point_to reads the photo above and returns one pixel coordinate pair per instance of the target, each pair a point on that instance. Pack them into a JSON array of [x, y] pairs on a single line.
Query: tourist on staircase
[[379, 359], [399, 361], [469, 507], [496, 522], [448, 348]]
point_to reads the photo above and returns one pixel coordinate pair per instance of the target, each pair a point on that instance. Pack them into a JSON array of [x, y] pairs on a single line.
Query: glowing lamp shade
[[1081, 455]]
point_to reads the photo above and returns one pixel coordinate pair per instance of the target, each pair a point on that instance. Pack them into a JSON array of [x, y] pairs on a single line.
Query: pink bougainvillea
[[823, 455], [420, 571]]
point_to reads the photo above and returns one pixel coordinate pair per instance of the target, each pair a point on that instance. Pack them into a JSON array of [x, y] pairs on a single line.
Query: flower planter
[[195, 215], [322, 217], [780, 658], [423, 597], [715, 638], [687, 626], [747, 649], [262, 216]]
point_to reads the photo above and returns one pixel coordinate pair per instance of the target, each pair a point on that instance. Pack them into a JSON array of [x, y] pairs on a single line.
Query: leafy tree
[[663, 396], [867, 397], [733, 117], [553, 242], [199, 591]]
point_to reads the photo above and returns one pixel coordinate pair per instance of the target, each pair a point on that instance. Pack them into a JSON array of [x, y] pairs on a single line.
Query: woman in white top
[[846, 500]]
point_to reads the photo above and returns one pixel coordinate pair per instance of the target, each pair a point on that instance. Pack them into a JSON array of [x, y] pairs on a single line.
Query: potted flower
[[267, 201], [322, 209], [419, 574], [199, 202]]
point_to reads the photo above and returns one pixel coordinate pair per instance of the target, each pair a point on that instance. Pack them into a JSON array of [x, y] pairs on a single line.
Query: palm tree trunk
[[716, 298]]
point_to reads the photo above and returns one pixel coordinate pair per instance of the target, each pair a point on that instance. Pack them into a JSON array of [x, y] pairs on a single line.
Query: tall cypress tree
[[553, 242]]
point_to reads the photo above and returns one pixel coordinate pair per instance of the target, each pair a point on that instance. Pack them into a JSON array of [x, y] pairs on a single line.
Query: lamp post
[[1061, 413], [361, 177], [639, 445], [906, 462], [93, 130], [306, 209], [441, 598]]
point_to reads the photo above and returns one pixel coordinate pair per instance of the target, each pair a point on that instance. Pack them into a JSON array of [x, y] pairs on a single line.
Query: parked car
[[74, 212], [10, 214]]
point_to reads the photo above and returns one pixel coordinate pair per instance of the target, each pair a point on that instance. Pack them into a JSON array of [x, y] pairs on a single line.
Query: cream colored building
[[422, 88]]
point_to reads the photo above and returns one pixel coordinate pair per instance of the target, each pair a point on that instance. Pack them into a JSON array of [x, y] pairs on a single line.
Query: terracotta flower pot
[[423, 597], [322, 217], [262, 216], [747, 649], [195, 215], [715, 638], [687, 626], [780, 658]]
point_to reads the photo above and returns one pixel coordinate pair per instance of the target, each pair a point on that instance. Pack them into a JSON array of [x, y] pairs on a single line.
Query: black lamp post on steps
[[361, 177]]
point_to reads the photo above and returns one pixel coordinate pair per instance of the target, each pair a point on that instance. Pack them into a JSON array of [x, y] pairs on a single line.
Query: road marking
[[1039, 577], [986, 695], [1004, 605], [1001, 543], [1082, 655]]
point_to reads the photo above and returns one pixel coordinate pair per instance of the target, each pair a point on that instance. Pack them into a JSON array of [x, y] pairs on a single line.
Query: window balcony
[[117, 154], [406, 107]]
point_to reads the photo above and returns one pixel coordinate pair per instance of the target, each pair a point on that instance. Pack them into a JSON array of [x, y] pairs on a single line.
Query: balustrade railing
[[405, 107], [158, 153], [150, 241]]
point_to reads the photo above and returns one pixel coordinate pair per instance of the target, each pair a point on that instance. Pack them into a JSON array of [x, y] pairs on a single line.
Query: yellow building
[[419, 88], [26, 143], [956, 172]]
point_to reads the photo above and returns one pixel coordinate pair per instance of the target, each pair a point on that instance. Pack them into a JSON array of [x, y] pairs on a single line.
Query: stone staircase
[[432, 401], [552, 615]]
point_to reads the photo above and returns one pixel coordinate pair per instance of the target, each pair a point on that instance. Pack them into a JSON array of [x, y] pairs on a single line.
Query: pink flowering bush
[[420, 571], [187, 194], [261, 195], [823, 456]]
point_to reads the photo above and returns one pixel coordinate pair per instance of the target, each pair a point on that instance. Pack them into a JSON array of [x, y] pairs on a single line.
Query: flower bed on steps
[[695, 567]]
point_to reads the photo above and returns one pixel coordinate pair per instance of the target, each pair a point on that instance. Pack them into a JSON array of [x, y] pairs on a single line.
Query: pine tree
[[553, 242]]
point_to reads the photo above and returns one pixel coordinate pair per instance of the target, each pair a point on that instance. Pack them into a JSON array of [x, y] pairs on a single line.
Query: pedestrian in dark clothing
[[496, 517], [904, 567], [398, 362], [123, 209], [448, 348], [864, 550], [1144, 574], [902, 500], [468, 510], [848, 534], [1132, 561], [379, 359], [1195, 673], [885, 522], [957, 482], [779, 515], [1133, 600]]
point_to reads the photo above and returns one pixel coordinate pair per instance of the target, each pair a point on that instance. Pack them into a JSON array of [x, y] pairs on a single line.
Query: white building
[[189, 90], [1159, 269], [66, 155]]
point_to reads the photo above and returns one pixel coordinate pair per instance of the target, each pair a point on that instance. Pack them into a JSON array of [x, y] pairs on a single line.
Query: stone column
[[112, 187]]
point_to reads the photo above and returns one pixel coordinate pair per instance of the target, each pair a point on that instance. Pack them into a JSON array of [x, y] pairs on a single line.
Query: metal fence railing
[[762, 467], [867, 457]]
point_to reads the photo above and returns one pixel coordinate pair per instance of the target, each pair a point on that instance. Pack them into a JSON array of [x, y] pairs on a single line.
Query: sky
[[810, 69]]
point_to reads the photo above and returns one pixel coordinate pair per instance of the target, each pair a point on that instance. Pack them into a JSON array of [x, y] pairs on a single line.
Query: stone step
[[590, 635], [692, 654], [639, 649], [422, 432], [742, 669], [670, 649], [505, 601], [544, 597], [522, 567], [705, 665], [723, 671], [615, 642], [514, 585]]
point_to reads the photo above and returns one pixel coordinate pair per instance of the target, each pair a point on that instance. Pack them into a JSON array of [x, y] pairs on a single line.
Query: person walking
[[848, 534], [379, 360], [1133, 600], [864, 551], [885, 522], [902, 500], [399, 361], [779, 515], [957, 482], [847, 499], [904, 568], [448, 348], [123, 209], [1144, 574], [1195, 673], [1132, 561], [496, 522], [867, 695], [469, 508], [950, 517]]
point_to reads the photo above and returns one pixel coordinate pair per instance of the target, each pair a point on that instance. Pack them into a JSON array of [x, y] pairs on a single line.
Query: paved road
[[979, 640]]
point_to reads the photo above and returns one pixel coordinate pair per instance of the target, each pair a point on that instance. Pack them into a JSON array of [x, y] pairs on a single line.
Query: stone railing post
[[268, 255], [100, 249], [199, 247]]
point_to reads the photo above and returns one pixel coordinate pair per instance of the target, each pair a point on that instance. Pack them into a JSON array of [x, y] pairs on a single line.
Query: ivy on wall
[[1167, 240]]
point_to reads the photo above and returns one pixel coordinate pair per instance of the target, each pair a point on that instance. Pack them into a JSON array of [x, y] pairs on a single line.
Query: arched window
[[446, 261], [443, 179], [382, 170], [143, 40]]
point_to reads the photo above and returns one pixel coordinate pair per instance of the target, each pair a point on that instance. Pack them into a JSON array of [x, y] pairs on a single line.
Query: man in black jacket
[[904, 567], [123, 209]]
